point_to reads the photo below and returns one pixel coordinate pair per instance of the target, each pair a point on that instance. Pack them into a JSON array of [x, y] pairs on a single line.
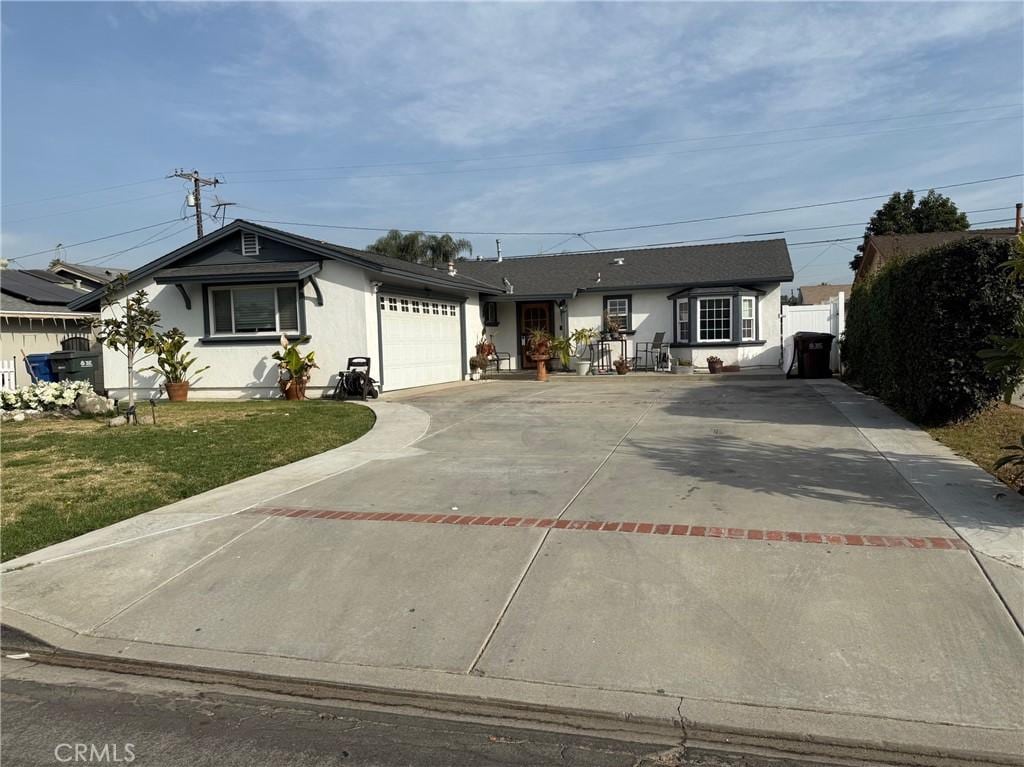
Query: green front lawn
[[64, 477], [981, 439]]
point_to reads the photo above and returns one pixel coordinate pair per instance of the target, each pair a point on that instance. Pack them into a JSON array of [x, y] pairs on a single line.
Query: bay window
[[683, 320], [747, 323], [714, 319]]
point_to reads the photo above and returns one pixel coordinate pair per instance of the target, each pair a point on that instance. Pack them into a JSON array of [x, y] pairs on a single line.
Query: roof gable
[[295, 248]]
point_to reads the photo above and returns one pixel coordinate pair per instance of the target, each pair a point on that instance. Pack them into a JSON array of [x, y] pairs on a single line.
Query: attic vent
[[250, 244], [618, 261]]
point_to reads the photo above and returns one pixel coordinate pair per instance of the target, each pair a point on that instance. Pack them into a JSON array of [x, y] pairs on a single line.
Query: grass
[[982, 438], [63, 477]]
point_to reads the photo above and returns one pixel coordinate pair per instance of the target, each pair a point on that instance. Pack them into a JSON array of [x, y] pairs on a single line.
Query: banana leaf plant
[[295, 367], [172, 361]]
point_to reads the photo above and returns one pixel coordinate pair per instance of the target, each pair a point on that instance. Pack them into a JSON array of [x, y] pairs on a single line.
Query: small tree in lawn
[[130, 329]]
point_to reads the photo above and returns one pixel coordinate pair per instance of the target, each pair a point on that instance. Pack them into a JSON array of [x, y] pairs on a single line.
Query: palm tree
[[411, 246], [444, 248]]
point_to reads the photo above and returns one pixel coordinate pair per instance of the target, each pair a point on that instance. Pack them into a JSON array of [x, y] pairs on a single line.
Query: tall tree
[[420, 248], [410, 246], [899, 215], [444, 248]]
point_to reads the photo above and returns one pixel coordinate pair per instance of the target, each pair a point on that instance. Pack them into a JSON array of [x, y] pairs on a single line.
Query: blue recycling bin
[[40, 366]]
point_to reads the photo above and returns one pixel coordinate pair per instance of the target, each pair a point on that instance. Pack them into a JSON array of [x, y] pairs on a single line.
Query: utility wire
[[80, 194], [570, 235], [95, 239], [503, 168], [94, 207], [613, 147], [147, 241]]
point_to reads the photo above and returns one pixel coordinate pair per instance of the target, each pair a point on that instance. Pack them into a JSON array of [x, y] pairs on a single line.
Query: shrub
[[914, 330], [44, 395]]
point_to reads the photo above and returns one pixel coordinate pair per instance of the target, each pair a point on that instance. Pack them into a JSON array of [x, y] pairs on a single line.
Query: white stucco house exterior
[[235, 291]]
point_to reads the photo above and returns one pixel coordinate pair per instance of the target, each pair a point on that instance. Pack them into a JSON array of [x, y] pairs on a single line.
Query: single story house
[[235, 291], [880, 249], [812, 295], [87, 276], [35, 315]]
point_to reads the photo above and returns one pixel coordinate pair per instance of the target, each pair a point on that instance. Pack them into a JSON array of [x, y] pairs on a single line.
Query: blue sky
[[502, 117]]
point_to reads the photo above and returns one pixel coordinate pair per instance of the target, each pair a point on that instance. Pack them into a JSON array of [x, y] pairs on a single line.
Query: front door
[[532, 317]]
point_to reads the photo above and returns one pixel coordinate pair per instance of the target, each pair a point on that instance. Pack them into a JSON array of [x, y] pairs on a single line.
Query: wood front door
[[532, 317]]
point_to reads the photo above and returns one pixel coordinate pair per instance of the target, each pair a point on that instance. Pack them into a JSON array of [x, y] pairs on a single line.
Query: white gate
[[9, 374], [819, 318]]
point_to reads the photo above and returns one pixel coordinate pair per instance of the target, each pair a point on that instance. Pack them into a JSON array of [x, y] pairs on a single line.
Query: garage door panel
[[422, 342]]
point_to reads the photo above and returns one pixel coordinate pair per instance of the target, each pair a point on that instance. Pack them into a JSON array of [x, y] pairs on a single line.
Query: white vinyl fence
[[818, 318], [9, 374]]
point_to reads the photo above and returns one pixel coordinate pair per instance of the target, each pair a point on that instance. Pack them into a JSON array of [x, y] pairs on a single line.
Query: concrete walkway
[[739, 559]]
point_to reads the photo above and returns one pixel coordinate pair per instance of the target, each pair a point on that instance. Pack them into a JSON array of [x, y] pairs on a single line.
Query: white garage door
[[422, 342]]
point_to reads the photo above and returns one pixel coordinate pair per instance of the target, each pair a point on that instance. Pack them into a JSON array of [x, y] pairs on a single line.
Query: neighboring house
[[34, 313], [84, 275], [721, 300], [880, 249], [236, 290], [811, 295]]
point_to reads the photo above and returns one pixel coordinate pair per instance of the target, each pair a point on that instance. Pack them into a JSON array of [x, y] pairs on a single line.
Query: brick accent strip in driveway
[[642, 528]]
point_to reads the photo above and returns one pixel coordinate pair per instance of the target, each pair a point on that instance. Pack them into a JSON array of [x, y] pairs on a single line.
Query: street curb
[[623, 715]]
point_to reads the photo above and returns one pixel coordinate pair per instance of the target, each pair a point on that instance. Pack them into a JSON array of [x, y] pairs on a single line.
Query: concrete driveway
[[735, 549]]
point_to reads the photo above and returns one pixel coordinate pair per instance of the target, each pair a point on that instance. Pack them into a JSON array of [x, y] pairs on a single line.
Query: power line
[[148, 241], [84, 210], [80, 194], [578, 232], [95, 239], [502, 168], [195, 199], [613, 147]]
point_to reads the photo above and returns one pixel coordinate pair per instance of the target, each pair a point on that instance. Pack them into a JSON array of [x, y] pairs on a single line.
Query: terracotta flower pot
[[177, 392], [296, 391], [715, 367]]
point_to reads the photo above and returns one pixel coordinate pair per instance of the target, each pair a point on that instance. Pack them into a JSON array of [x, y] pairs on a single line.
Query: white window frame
[[750, 301], [682, 312], [700, 337], [230, 290], [624, 319]]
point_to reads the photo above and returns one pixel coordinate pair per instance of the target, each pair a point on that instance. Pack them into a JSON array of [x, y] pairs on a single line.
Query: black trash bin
[[77, 366], [812, 353]]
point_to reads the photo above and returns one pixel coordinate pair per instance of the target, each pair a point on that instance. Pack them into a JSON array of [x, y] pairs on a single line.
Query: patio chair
[[654, 353]]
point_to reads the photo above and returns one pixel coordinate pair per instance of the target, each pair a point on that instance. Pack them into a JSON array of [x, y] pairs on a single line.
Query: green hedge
[[913, 330]]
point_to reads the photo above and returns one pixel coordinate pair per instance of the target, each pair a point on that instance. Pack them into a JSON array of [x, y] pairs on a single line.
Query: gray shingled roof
[[726, 263], [236, 270], [13, 305], [99, 273]]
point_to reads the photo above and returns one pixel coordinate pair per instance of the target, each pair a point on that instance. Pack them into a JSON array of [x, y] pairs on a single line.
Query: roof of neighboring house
[[18, 306], [102, 274], [36, 290], [383, 265], [880, 248], [820, 294], [564, 274]]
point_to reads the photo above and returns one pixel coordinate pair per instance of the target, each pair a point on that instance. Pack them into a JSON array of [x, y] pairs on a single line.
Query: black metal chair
[[655, 353]]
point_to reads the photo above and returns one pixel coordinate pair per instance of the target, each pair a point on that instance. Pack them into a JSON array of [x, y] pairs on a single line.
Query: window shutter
[[288, 308]]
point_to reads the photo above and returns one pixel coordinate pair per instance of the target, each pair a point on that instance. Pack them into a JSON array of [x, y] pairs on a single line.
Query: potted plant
[[477, 366], [174, 363], [612, 326], [714, 364], [295, 368], [581, 339], [485, 346], [539, 348], [682, 366], [562, 347], [621, 366]]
